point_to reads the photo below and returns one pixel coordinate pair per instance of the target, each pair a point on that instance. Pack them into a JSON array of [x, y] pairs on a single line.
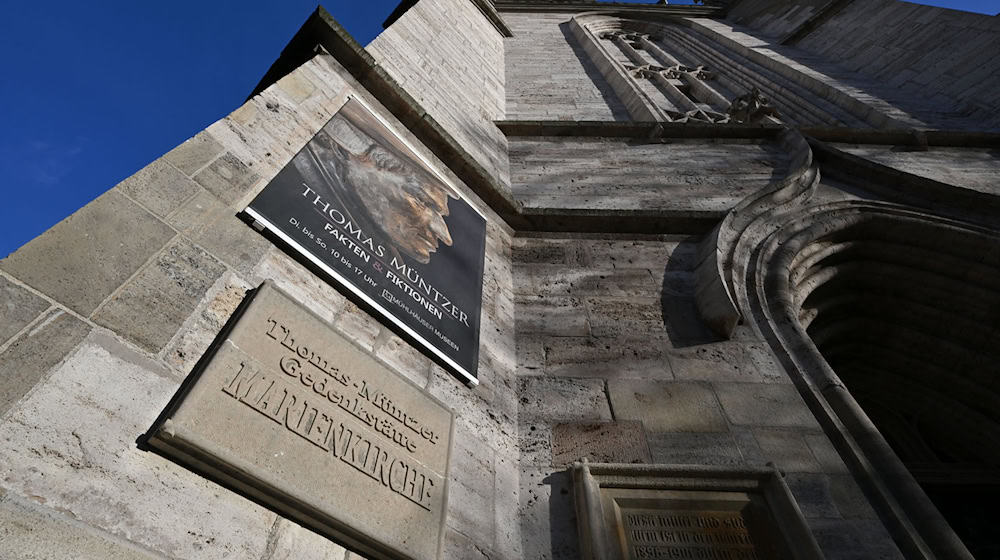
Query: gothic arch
[[886, 318]]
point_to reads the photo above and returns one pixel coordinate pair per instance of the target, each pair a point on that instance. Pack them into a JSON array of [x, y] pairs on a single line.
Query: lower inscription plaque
[[628, 512], [289, 412]]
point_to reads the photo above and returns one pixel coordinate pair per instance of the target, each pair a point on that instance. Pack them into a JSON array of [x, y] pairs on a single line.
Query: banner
[[360, 205]]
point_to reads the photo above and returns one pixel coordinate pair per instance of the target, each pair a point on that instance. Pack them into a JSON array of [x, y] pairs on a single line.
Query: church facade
[[723, 280]]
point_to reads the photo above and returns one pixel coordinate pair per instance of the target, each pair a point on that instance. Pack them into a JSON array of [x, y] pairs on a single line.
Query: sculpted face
[[405, 201]]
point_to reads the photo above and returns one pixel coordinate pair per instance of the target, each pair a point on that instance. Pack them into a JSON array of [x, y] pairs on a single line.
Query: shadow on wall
[[681, 319], [617, 107], [562, 517]]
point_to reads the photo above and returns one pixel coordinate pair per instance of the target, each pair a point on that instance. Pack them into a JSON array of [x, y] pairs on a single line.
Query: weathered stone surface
[[304, 286], [159, 187], [714, 362], [681, 448], [18, 307], [606, 442], [565, 399], [547, 515], [471, 491], [194, 154], [664, 406], [227, 177], [825, 453], [631, 356], [560, 316], [616, 317], [83, 259], [342, 443], [71, 444], [151, 307], [765, 405], [290, 541], [202, 326], [214, 226], [30, 356], [32, 532], [534, 441], [787, 450]]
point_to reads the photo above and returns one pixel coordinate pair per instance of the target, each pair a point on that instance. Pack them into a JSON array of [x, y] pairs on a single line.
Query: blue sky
[[93, 91]]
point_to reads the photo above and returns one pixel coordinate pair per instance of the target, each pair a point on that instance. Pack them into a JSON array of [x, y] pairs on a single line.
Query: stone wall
[[549, 77], [450, 58], [677, 175], [944, 56], [107, 312], [977, 169], [615, 365]]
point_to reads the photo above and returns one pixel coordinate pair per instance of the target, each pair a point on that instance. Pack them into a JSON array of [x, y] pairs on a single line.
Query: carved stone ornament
[[628, 512], [751, 108]]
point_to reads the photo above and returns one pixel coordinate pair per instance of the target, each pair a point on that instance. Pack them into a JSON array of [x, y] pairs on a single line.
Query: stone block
[[159, 187], [194, 154], [826, 454], [496, 429], [534, 441], [787, 450], [506, 500], [664, 406], [624, 317], [201, 328], [849, 499], [471, 492], [695, 449], [723, 361], [29, 531], [607, 357], [214, 226], [155, 303], [555, 316], [359, 326], [812, 493], [604, 442], [530, 355], [403, 358], [71, 444], [765, 405], [298, 282], [228, 178], [290, 541], [547, 515], [562, 399], [30, 356], [81, 260], [18, 308]]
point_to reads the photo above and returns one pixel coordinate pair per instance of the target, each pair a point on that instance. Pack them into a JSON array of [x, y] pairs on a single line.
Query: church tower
[[535, 279]]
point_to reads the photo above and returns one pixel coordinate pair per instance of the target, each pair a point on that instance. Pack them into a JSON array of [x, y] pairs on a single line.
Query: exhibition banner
[[361, 206]]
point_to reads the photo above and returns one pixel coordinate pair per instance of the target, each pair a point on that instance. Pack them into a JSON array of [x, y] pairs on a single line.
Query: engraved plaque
[[687, 513], [294, 415]]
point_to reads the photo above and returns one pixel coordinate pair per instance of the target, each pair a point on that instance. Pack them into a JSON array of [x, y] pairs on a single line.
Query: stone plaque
[[628, 512], [287, 411]]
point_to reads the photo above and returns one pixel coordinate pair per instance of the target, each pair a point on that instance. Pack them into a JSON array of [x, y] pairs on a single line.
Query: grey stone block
[[623, 317], [557, 316], [812, 493], [201, 328], [534, 441], [724, 361], [471, 492], [71, 444], [29, 531], [849, 499], [547, 515], [214, 226], [290, 541], [30, 356], [694, 449], [227, 177], [664, 406], [608, 357], [194, 154], [765, 405], [787, 450], [605, 442], [404, 359], [153, 305], [304, 286], [562, 398], [827, 455], [18, 307], [160, 187], [81, 260]]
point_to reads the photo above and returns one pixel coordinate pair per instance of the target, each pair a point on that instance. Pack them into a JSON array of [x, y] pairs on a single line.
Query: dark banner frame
[[378, 221]]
